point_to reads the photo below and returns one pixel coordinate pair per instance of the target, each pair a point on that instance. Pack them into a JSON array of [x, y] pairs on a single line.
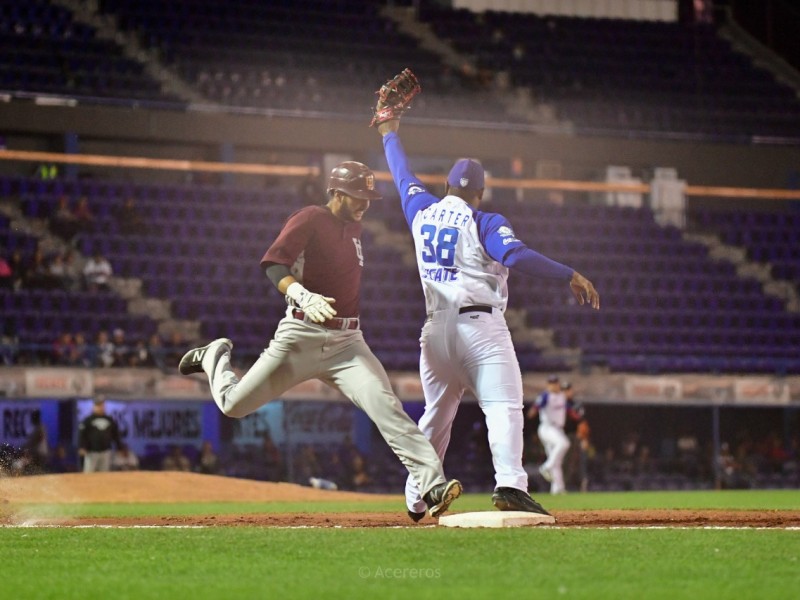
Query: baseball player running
[[464, 256], [319, 249], [552, 407]]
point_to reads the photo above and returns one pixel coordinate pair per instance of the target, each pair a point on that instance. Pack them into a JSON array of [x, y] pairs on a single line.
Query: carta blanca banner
[[143, 424]]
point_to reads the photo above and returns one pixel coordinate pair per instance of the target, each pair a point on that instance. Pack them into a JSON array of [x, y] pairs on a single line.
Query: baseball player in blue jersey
[[553, 408], [464, 256]]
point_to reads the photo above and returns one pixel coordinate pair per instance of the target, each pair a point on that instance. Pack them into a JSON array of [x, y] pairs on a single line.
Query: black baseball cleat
[[506, 498], [441, 497], [416, 516], [192, 361]]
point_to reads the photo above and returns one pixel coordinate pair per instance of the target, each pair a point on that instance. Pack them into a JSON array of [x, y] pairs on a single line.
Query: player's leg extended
[[292, 357], [354, 371], [556, 444], [559, 452], [495, 378], [443, 391]]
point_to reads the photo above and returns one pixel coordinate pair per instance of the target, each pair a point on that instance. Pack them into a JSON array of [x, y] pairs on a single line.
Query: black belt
[[466, 309]]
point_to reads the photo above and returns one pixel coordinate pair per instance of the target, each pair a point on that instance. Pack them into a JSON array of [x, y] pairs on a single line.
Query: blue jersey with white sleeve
[[463, 254]]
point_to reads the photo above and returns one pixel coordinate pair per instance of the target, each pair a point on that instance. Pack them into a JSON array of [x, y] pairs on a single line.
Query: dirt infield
[[170, 487]]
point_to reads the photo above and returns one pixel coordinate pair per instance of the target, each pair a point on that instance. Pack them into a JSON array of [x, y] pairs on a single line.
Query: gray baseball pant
[[300, 351], [97, 461]]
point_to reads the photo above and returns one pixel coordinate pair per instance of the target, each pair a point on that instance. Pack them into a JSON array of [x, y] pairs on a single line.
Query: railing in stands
[[134, 162]]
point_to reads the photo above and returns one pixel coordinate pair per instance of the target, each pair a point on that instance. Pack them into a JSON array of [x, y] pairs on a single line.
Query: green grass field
[[419, 562]]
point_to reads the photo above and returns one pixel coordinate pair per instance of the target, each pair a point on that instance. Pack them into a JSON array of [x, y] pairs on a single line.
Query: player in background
[[553, 408], [316, 262], [464, 256]]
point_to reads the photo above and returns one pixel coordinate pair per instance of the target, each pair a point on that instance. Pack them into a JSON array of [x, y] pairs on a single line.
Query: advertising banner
[[152, 423]]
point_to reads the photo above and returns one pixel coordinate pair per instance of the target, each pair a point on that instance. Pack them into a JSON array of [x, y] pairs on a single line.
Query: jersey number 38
[[439, 244]]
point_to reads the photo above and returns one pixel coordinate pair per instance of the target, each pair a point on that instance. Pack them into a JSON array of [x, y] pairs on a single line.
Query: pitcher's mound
[[161, 486]]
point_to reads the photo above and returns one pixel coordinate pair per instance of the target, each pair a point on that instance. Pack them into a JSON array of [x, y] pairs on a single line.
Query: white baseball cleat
[[192, 361], [548, 476]]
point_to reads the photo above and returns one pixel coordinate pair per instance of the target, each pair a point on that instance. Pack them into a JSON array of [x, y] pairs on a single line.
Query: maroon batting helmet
[[354, 179]]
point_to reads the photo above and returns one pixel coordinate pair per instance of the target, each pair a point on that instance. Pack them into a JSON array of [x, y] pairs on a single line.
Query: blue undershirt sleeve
[[413, 194], [501, 244], [532, 263]]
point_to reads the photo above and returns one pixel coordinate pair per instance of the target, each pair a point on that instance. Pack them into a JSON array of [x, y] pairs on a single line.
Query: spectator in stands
[[155, 350], [140, 355], [175, 460], [207, 461], [125, 459], [122, 351], [103, 351], [97, 272], [97, 434], [63, 349], [80, 354], [129, 221]]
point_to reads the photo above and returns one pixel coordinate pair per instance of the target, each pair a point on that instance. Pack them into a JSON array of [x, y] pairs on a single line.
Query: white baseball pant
[[556, 444], [472, 351]]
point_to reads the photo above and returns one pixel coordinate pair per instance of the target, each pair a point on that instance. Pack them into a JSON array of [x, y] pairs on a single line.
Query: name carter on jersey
[[435, 214]]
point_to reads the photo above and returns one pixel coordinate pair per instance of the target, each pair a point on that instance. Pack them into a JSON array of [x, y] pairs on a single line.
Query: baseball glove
[[394, 97]]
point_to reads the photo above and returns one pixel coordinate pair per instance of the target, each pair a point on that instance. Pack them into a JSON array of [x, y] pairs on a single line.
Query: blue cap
[[466, 174]]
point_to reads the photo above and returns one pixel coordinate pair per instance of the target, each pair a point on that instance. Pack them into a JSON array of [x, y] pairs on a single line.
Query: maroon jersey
[[325, 252]]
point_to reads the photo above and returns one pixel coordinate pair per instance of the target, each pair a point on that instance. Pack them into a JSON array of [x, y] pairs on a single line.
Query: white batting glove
[[316, 306]]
